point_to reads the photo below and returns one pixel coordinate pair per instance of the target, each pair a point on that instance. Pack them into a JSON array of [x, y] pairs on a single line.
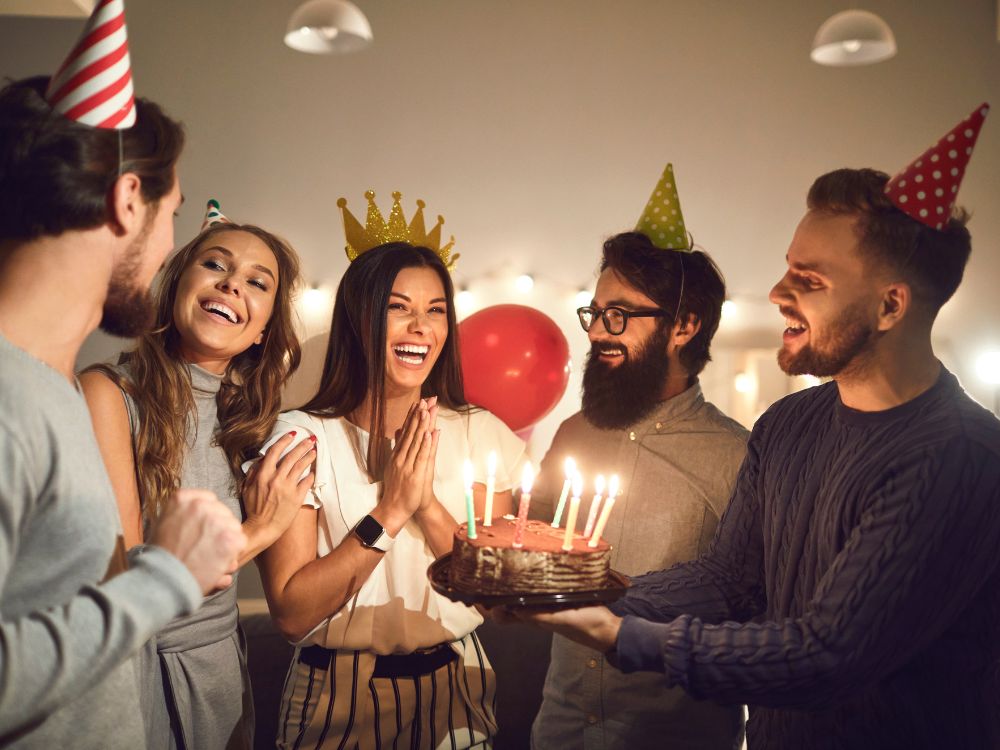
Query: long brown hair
[[250, 396], [355, 356]]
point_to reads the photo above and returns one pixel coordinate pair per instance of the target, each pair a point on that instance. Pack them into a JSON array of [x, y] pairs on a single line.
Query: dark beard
[[615, 397], [850, 335], [128, 310]]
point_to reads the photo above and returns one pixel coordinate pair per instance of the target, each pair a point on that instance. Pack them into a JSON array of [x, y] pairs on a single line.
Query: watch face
[[368, 531]]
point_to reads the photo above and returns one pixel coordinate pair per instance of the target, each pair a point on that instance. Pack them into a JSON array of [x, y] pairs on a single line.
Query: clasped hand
[[409, 477]]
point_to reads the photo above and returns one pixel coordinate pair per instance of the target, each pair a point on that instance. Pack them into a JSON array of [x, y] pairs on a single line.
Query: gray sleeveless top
[[198, 665]]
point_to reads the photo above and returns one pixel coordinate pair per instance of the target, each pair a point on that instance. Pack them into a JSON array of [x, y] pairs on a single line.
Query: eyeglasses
[[615, 318]]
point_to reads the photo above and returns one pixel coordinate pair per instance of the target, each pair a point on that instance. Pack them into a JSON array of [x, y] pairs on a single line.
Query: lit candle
[[574, 511], [605, 512], [595, 504], [491, 475], [470, 508], [570, 466], [522, 510]]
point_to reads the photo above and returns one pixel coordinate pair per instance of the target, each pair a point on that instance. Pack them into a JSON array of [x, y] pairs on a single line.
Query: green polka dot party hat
[[662, 221]]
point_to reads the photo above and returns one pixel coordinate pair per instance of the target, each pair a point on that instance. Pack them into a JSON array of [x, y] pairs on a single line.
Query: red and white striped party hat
[[927, 188], [213, 215], [94, 85]]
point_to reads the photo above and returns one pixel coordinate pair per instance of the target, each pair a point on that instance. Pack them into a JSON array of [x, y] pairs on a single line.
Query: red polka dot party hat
[[927, 188]]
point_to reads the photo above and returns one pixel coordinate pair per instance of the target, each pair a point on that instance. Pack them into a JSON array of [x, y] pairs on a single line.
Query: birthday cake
[[490, 564]]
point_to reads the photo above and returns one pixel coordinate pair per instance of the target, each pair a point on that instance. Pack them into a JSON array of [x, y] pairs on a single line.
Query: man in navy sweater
[[851, 596]]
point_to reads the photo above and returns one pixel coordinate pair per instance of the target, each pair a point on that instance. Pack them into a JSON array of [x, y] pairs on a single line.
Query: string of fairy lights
[[560, 300]]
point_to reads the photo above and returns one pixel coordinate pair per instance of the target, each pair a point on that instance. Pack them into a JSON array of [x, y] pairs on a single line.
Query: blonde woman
[[200, 393]]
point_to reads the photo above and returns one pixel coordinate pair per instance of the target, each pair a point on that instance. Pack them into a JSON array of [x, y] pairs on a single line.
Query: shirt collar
[[204, 382], [672, 410]]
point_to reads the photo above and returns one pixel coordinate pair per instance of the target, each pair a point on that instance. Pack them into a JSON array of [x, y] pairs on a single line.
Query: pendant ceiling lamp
[[323, 27], [853, 37]]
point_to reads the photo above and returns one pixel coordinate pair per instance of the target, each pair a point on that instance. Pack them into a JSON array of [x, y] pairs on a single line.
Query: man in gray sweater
[[85, 222], [644, 419]]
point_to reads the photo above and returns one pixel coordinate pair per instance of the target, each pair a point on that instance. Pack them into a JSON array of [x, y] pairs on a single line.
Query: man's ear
[[127, 209], [895, 303], [685, 330]]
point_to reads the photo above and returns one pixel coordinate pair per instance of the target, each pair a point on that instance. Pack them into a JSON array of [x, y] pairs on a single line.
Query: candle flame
[[527, 478], [570, 468], [613, 487], [467, 473], [491, 464], [599, 484], [577, 484]]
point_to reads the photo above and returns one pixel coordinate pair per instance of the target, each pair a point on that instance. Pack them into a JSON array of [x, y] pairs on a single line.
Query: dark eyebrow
[[264, 269], [621, 303], [403, 296], [228, 253]]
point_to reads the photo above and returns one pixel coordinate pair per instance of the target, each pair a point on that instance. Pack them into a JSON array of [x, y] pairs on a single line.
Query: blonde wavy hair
[[250, 396]]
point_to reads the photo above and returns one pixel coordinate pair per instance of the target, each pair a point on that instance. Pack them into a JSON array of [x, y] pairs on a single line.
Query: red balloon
[[515, 362]]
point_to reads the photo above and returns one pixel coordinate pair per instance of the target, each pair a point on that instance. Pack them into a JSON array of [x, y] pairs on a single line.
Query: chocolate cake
[[490, 564]]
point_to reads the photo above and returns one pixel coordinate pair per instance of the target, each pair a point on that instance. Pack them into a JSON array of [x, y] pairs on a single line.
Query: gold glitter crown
[[377, 231]]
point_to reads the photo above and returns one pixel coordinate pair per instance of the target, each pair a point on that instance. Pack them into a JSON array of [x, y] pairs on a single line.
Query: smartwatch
[[372, 535]]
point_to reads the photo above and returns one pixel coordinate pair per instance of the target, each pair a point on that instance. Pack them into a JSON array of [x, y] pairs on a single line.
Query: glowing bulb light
[[464, 301], [853, 37], [988, 367], [743, 382], [313, 298], [525, 283], [322, 27]]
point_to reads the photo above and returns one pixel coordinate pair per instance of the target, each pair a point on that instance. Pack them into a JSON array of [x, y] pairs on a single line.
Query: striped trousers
[[345, 707]]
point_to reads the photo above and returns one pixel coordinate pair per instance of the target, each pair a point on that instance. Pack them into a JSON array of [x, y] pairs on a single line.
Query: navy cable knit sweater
[[851, 596]]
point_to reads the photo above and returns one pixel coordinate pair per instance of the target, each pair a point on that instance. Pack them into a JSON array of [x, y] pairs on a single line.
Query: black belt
[[416, 664]]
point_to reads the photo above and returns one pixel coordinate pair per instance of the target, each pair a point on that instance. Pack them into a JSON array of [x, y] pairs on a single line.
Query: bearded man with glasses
[[644, 418]]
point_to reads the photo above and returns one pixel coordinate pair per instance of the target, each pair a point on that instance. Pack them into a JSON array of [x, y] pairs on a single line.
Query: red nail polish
[[313, 438], [292, 433]]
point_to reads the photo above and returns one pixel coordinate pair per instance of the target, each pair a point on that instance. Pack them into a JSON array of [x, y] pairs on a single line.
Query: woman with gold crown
[[199, 393], [380, 657]]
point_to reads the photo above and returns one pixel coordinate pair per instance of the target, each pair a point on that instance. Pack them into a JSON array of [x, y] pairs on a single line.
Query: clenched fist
[[203, 534]]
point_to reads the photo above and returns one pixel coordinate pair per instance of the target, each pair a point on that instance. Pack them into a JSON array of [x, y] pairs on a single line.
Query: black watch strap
[[373, 535]]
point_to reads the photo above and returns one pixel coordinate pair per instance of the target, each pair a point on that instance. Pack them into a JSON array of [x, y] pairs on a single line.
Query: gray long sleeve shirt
[[66, 678], [677, 467]]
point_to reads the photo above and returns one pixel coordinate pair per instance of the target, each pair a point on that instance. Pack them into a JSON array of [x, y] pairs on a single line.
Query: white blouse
[[396, 610]]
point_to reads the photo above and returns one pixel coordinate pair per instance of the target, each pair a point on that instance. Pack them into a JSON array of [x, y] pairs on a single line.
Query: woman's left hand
[[434, 519], [274, 490], [428, 494]]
